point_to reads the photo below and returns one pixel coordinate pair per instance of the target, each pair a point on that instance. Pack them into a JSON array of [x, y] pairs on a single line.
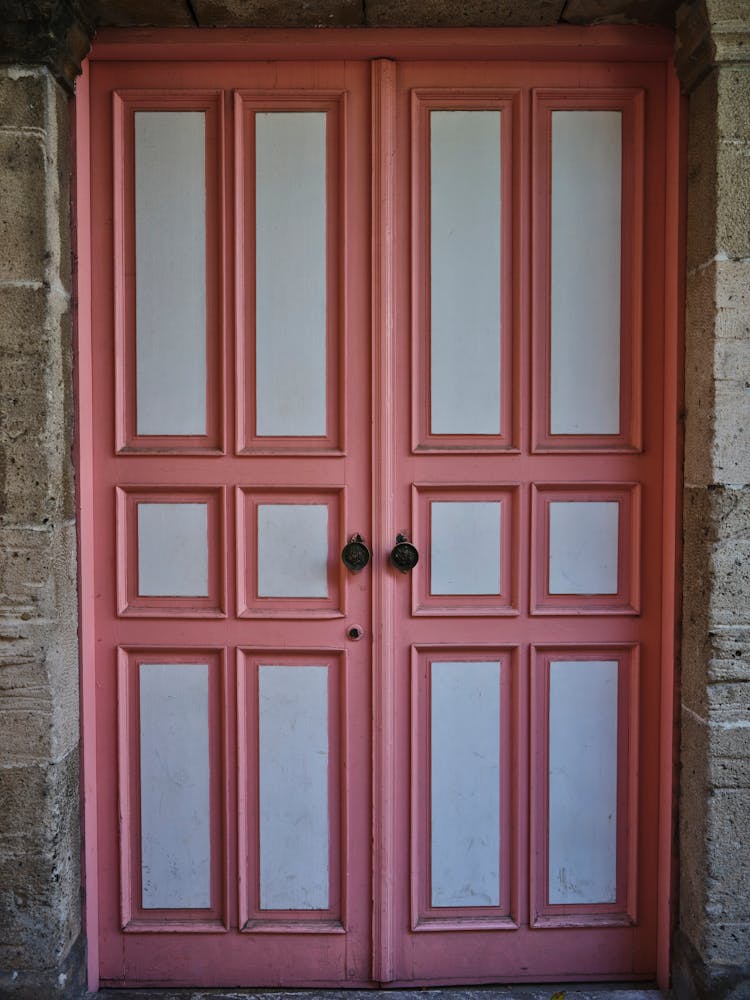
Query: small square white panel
[[465, 548], [173, 549], [583, 541], [292, 550]]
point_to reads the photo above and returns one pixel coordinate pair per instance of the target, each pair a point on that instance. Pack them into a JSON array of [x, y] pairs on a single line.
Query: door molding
[[605, 43]]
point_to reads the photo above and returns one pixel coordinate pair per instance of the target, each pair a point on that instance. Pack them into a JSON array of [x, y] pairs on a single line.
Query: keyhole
[[355, 632]]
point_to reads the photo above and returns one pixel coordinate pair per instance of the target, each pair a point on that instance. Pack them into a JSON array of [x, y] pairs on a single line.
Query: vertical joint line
[[383, 313]]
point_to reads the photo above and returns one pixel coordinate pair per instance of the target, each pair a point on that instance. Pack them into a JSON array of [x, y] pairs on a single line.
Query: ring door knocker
[[404, 555], [355, 555]]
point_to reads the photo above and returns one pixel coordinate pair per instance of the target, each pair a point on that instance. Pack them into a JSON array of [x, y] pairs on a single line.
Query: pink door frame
[[384, 45]]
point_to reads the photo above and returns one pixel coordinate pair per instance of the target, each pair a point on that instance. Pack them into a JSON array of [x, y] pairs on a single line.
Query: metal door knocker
[[404, 555], [355, 555]]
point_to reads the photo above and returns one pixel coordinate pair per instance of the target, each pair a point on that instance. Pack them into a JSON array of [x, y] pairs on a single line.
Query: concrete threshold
[[567, 991]]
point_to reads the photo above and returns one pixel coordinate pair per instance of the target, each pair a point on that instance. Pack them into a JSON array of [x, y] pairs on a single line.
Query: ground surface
[[547, 992]]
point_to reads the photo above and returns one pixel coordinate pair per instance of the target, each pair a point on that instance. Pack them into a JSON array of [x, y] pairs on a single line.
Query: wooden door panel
[[237, 778], [531, 513]]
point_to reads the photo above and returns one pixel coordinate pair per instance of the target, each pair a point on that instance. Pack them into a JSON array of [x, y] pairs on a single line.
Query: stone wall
[[713, 942], [40, 949], [39, 817]]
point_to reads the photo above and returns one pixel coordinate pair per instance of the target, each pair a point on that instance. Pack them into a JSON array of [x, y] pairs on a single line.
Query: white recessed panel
[[170, 271], [293, 720], [465, 549], [465, 271], [583, 543], [173, 549], [175, 813], [583, 781], [465, 783], [586, 252], [290, 275], [292, 550]]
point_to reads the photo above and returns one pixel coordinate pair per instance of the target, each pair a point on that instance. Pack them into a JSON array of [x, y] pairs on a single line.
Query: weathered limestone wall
[[713, 944], [39, 853]]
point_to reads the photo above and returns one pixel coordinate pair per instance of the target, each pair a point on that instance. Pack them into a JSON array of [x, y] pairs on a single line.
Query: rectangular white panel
[[465, 547], [586, 251], [173, 549], [170, 272], [465, 271], [583, 781], [290, 273], [583, 543], [292, 550], [465, 783], [175, 813], [294, 835]]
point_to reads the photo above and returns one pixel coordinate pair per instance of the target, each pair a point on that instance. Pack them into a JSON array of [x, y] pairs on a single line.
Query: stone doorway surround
[[42, 44]]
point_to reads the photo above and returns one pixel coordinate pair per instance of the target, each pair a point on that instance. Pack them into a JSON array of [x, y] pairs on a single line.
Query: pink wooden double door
[[379, 299]]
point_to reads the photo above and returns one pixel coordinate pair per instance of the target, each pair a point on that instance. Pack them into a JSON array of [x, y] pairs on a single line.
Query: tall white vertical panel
[[465, 271], [290, 273], [586, 253], [465, 783], [465, 547], [175, 808], [583, 781], [173, 549], [292, 550], [583, 546], [294, 834], [170, 272]]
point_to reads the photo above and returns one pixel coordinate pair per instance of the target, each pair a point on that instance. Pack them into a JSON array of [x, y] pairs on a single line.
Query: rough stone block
[[468, 13], [730, 654], [31, 462], [716, 561], [699, 380], [693, 830], [38, 644], [731, 556], [23, 321], [702, 173], [731, 371], [731, 458], [23, 97], [734, 103], [727, 945], [733, 215], [23, 221], [726, 10], [40, 914], [58, 189], [272, 14], [620, 12], [36, 484], [130, 13], [696, 598], [695, 979], [729, 715]]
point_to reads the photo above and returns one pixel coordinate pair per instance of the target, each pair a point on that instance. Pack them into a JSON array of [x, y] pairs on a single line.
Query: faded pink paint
[[381, 466]]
